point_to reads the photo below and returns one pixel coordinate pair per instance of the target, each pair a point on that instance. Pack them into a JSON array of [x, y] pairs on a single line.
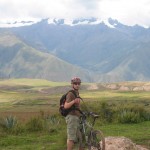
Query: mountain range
[[57, 49]]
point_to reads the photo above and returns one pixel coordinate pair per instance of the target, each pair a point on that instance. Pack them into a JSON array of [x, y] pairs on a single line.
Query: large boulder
[[121, 143]]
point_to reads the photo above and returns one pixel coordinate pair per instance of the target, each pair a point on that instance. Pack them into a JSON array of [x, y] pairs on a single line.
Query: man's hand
[[77, 101]]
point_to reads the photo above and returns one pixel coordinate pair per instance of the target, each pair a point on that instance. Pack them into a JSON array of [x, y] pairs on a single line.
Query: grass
[[32, 141], [23, 99], [139, 133], [107, 95], [32, 82]]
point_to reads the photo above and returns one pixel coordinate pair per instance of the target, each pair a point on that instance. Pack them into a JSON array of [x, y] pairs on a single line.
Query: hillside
[[18, 60], [95, 50]]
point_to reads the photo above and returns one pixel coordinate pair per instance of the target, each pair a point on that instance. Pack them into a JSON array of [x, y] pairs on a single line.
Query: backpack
[[64, 112]]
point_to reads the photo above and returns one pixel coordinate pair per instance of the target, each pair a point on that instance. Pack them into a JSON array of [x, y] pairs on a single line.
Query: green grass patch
[[32, 141], [32, 82], [139, 133]]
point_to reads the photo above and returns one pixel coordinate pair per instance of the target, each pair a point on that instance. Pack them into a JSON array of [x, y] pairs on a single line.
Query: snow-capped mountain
[[18, 23], [108, 50], [59, 21], [75, 22]]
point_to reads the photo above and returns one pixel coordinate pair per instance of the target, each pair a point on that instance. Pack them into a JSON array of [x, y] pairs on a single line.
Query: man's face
[[76, 85]]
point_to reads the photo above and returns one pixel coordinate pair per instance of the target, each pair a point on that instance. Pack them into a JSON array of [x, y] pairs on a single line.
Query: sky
[[129, 12]]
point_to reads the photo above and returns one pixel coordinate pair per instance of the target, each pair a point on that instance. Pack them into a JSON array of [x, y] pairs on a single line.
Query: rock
[[138, 88], [121, 143], [92, 87], [146, 88], [124, 88], [112, 86], [139, 147]]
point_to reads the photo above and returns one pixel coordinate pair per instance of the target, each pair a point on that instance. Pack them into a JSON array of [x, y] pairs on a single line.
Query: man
[[72, 119]]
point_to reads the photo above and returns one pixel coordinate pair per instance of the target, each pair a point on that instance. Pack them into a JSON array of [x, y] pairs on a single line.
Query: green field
[[27, 99]]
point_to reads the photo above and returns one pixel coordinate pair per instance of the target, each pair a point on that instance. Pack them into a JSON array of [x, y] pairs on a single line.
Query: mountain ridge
[[109, 54], [64, 21], [19, 61]]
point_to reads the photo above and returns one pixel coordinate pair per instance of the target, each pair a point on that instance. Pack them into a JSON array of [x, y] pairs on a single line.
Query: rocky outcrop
[[121, 143], [128, 86]]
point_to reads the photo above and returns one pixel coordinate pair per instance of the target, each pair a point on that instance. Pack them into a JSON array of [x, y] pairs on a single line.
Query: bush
[[53, 120], [8, 123], [132, 114], [53, 123], [147, 116], [106, 112], [18, 129], [127, 116], [35, 124], [102, 108]]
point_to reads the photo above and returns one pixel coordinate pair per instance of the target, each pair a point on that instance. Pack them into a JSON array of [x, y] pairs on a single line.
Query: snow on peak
[[59, 21], [18, 23], [106, 22], [75, 22]]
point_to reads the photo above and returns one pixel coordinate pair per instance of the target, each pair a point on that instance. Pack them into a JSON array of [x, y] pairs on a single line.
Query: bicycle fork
[[84, 131]]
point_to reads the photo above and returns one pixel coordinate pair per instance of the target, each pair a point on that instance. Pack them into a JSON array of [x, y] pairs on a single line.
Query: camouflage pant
[[72, 127]]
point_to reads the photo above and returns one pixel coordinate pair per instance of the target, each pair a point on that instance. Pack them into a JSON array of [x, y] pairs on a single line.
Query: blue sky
[[129, 12]]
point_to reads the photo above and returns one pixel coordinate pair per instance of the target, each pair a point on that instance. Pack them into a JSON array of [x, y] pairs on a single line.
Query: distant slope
[[18, 60], [136, 65], [108, 50], [113, 54]]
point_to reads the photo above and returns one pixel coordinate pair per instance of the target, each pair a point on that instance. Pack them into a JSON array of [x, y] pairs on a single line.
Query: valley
[[37, 100]]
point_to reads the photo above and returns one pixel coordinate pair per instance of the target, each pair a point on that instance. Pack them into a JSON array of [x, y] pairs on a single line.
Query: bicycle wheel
[[96, 140], [80, 139]]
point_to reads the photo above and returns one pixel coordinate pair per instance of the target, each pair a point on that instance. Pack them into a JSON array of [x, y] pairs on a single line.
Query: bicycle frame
[[86, 127], [90, 137]]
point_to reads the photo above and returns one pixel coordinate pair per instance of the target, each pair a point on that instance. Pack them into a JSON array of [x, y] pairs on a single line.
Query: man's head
[[76, 81]]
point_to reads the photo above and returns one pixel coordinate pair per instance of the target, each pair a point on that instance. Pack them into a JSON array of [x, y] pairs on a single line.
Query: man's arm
[[69, 104], [71, 100]]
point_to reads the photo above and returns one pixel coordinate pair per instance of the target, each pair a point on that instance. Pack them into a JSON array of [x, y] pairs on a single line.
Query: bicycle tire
[[80, 142], [96, 140]]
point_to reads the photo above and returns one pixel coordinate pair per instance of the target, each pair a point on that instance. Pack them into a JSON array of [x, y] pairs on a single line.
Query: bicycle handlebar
[[86, 114], [90, 114]]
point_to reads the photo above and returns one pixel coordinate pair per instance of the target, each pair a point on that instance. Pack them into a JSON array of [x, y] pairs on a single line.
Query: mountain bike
[[90, 138]]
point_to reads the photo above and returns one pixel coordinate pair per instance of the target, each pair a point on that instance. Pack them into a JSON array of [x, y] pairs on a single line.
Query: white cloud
[[127, 11]]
